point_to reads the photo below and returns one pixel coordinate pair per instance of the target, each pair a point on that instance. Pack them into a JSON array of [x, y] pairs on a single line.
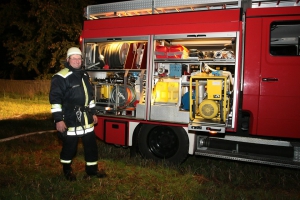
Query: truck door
[[279, 93]]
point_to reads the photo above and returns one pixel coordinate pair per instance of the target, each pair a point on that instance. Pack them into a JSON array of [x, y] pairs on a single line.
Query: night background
[[35, 35]]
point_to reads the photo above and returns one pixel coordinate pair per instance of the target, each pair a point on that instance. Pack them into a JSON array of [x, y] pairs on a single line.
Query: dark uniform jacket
[[71, 99]]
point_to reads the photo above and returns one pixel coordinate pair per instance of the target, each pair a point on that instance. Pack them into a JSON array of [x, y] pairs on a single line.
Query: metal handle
[[269, 79]]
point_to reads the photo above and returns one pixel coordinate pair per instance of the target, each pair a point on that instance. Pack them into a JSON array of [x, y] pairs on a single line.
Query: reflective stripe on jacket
[[71, 89]]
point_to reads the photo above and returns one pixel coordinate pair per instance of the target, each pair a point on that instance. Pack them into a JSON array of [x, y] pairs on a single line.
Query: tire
[[168, 143]]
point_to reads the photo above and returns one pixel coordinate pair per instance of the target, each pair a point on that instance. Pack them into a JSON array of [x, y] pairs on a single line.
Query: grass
[[14, 108], [30, 169], [20, 115]]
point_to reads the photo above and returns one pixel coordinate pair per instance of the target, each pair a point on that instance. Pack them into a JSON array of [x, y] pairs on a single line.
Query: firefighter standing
[[73, 110]]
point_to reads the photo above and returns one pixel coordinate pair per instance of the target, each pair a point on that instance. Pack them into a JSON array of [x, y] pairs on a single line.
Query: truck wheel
[[163, 143]]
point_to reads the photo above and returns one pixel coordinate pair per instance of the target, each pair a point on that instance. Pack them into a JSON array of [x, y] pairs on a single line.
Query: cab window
[[285, 38]]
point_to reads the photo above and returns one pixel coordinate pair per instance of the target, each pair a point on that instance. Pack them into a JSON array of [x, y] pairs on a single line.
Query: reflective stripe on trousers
[[79, 131], [65, 161], [91, 163]]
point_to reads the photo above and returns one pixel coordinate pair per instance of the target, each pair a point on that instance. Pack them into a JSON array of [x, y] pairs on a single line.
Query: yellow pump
[[213, 103]]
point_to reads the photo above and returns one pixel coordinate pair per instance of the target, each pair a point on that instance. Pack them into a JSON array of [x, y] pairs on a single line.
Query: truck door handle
[[269, 79]]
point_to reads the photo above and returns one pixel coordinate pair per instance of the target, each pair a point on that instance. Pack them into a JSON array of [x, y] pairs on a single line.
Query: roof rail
[[146, 7], [274, 3]]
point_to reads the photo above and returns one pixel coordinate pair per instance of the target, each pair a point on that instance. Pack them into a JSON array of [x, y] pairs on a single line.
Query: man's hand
[[61, 126], [95, 118]]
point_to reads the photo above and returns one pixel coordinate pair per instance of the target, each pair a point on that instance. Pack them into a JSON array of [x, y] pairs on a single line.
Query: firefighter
[[73, 110]]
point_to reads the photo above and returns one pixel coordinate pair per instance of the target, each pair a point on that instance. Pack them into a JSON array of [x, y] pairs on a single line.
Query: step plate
[[251, 158]]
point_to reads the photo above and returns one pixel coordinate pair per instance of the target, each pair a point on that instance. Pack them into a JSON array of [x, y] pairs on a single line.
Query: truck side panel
[[191, 22], [270, 76], [252, 71]]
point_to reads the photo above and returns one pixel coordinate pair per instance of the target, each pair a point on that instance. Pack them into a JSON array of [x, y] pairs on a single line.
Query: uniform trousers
[[69, 149]]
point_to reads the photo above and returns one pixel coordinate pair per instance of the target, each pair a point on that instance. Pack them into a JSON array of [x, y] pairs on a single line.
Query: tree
[[37, 33]]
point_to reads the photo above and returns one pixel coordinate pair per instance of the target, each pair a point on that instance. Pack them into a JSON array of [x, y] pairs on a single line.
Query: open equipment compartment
[[185, 67], [117, 67]]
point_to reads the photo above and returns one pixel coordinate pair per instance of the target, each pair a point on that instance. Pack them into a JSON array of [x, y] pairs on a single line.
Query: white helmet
[[73, 51]]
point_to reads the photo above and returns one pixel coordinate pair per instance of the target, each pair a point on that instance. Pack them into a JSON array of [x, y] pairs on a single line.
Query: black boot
[[70, 176], [101, 173], [92, 171]]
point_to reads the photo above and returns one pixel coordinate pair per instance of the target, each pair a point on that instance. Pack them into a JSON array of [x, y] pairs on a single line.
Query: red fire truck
[[192, 77]]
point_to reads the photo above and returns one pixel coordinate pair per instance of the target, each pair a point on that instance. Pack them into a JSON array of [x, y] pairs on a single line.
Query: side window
[[285, 38]]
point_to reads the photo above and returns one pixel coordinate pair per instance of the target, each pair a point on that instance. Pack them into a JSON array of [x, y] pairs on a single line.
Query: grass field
[[30, 168]]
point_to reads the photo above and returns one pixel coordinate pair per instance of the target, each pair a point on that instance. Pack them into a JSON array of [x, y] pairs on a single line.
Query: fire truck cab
[[215, 78]]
